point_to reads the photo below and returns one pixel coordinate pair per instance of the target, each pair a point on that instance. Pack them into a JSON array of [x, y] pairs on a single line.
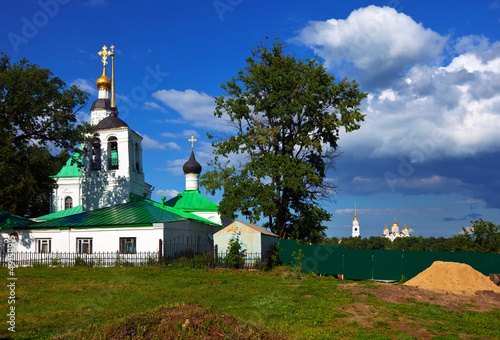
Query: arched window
[[95, 161], [137, 158], [68, 203], [113, 153]]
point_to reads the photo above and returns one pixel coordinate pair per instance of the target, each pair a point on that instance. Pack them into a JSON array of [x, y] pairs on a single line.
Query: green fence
[[363, 264]]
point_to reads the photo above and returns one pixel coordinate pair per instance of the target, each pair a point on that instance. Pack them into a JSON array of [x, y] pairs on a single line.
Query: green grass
[[64, 300]]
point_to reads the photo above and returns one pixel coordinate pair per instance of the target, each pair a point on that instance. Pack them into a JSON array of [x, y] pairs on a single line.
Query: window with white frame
[[84, 245], [127, 245], [43, 245]]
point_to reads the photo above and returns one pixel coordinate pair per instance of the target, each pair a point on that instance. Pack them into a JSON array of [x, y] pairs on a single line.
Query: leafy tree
[[483, 236], [287, 114], [37, 114]]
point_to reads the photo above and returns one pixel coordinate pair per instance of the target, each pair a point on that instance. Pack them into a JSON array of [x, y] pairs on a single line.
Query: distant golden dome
[[386, 228], [395, 224], [103, 81], [405, 228]]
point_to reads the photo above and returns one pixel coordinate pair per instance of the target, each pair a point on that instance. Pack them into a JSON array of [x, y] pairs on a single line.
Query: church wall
[[103, 239], [212, 216], [66, 186]]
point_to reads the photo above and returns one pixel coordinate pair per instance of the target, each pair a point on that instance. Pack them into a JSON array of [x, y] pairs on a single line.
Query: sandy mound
[[452, 277]]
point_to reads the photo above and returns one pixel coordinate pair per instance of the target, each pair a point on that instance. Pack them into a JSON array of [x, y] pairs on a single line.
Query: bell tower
[[113, 168]]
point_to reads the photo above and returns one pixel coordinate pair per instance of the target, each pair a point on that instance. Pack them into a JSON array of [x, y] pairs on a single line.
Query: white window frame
[[80, 244], [41, 242]]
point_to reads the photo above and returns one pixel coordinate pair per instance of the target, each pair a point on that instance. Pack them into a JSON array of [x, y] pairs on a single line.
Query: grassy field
[[157, 302]]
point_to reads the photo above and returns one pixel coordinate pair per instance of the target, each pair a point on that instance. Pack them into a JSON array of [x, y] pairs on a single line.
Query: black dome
[[192, 166], [101, 103], [111, 122]]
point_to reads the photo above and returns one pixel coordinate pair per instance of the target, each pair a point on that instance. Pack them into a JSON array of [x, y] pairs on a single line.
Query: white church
[[105, 205]]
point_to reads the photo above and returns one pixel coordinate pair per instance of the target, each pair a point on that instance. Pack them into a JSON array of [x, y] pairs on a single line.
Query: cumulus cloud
[[435, 111], [152, 144], [378, 41], [86, 86], [166, 193], [195, 108]]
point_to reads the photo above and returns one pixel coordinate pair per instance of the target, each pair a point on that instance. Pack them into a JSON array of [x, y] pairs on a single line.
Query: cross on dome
[[192, 140], [104, 54]]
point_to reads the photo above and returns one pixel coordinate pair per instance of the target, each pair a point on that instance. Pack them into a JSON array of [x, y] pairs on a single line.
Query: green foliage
[[287, 114], [79, 262], [297, 264], [483, 236], [235, 255], [37, 112]]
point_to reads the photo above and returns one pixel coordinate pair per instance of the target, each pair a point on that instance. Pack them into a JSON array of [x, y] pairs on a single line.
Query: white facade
[[105, 184], [108, 239], [68, 189]]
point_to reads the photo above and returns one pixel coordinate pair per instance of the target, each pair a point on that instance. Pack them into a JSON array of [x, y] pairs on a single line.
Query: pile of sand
[[452, 277]]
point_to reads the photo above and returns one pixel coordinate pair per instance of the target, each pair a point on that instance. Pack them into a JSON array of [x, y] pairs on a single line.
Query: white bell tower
[[355, 224]]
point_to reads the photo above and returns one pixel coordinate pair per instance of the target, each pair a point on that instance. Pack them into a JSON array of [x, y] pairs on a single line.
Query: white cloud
[[153, 106], [166, 193], [151, 144], [86, 86], [378, 41], [195, 108], [435, 111]]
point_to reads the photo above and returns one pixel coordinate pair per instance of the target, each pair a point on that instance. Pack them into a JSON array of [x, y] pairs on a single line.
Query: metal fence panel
[[387, 265], [315, 258], [358, 264]]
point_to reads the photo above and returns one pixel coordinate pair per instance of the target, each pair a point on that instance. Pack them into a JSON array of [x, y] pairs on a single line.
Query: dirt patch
[[452, 277], [366, 313], [186, 322], [482, 301]]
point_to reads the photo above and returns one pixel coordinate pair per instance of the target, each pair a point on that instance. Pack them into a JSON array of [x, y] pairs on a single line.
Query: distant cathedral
[[395, 233]]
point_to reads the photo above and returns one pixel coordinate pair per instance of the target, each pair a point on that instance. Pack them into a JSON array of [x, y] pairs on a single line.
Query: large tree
[[38, 113], [287, 114]]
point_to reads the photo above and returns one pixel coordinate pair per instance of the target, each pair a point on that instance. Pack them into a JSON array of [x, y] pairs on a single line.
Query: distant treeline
[[482, 236]]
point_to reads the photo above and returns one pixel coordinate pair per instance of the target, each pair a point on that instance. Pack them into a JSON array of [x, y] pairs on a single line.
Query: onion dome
[[103, 81], [111, 122], [395, 224], [386, 228], [192, 166], [405, 228]]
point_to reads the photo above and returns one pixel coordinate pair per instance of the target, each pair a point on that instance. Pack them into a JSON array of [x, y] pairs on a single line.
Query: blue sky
[[428, 152]]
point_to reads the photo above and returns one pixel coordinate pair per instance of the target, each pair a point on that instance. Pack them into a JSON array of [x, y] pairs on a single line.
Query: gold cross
[[192, 140], [104, 54]]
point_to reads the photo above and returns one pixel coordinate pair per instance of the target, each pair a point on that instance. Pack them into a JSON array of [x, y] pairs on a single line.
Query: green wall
[[363, 264]]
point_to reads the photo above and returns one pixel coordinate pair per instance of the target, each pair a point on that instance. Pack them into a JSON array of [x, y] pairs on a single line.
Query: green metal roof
[[72, 169], [63, 213], [138, 212], [192, 200], [8, 220]]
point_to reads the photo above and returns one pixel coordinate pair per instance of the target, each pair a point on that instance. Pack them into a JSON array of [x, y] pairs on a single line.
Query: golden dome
[[386, 228], [395, 224], [405, 228], [103, 81]]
